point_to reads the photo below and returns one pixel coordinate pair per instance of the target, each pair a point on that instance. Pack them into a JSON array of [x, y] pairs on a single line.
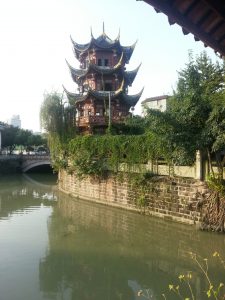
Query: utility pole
[[110, 113], [110, 109]]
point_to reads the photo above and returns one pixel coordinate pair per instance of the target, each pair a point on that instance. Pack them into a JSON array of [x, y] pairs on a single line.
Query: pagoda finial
[[118, 36], [103, 28], [91, 32]]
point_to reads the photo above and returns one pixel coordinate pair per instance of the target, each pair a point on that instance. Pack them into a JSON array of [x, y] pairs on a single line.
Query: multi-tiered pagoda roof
[[102, 75]]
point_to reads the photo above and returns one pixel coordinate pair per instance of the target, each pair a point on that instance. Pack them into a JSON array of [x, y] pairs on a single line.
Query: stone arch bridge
[[31, 161], [28, 162]]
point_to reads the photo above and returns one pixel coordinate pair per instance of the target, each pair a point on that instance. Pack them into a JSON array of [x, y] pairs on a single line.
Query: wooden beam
[[190, 8], [217, 26], [218, 6], [204, 18]]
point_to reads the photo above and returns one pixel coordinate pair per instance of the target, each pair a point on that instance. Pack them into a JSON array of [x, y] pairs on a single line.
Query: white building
[[15, 121], [158, 102]]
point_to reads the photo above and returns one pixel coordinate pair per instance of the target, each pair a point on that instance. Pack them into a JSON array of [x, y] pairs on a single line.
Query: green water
[[56, 247]]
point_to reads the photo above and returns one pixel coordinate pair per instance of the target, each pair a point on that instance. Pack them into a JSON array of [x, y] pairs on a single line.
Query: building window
[[99, 62]]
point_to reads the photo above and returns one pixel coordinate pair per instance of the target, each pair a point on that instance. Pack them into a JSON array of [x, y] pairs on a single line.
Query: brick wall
[[171, 198]]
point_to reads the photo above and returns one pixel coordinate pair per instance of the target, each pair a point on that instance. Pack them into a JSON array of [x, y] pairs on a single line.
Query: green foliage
[[171, 140], [56, 118], [88, 152], [58, 152], [193, 121], [96, 154], [216, 183], [14, 137], [195, 116], [51, 113], [213, 291], [10, 137], [186, 282]]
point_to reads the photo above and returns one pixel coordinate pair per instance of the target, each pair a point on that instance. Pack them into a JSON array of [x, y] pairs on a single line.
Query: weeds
[[213, 291]]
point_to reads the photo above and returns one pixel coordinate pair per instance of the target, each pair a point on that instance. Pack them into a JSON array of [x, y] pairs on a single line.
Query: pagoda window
[[106, 62], [99, 62], [103, 62]]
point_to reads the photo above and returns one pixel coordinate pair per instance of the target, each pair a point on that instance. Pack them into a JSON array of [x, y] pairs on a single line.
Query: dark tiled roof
[[128, 76], [103, 42], [102, 95], [205, 19]]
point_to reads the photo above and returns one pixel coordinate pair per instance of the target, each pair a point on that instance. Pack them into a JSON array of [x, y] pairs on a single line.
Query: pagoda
[[102, 79]]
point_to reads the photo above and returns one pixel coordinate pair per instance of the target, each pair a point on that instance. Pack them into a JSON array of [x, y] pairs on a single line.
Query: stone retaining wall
[[171, 198]]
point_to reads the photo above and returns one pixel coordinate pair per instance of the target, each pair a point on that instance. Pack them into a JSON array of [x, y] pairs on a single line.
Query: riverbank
[[170, 198]]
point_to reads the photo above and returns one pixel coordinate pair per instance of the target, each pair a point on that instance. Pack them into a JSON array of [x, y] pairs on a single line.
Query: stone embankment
[[174, 199]]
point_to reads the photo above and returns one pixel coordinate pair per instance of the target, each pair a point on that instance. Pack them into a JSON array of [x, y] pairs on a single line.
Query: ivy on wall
[[94, 155]]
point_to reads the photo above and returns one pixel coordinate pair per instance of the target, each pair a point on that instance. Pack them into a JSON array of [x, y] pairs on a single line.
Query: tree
[[9, 137], [195, 116], [13, 137], [55, 117]]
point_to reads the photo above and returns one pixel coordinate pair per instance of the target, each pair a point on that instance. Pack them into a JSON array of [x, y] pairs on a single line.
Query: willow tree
[[58, 120], [56, 117]]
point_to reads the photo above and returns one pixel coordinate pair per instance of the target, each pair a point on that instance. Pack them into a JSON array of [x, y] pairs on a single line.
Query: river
[[55, 247]]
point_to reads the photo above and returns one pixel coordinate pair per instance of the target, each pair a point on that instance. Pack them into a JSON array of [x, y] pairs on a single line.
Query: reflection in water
[[18, 193], [23, 235], [75, 250], [98, 252]]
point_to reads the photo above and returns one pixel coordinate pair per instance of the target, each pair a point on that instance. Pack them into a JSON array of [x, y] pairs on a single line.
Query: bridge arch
[[30, 162], [35, 164]]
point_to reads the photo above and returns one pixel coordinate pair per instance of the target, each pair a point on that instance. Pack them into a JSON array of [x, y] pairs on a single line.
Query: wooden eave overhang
[[103, 42], [130, 100], [118, 69], [205, 19]]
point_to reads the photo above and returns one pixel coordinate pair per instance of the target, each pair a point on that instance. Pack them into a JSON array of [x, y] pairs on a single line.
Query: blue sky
[[35, 41]]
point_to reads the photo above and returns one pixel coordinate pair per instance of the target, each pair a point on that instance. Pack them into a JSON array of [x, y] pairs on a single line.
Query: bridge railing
[[7, 156], [35, 157], [24, 156]]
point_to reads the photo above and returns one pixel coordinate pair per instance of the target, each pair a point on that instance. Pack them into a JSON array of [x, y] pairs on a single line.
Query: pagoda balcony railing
[[98, 120], [106, 93]]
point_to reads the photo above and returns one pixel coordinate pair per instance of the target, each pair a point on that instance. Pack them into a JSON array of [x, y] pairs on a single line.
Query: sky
[[35, 41]]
